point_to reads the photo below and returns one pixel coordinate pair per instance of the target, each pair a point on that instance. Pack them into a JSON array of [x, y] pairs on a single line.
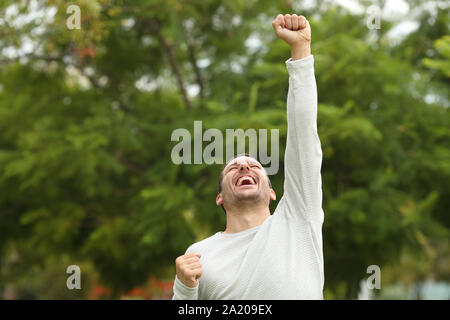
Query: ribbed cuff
[[300, 64], [184, 291], [300, 69]]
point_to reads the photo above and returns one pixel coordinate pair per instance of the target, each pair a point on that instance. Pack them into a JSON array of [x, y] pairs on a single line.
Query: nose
[[244, 166]]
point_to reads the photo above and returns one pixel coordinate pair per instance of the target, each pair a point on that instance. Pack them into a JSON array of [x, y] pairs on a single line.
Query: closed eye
[[232, 168]]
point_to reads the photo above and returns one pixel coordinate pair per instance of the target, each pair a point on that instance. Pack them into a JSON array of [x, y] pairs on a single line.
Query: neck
[[243, 218]]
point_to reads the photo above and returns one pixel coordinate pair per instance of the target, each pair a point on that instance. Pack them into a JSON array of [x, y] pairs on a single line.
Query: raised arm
[[303, 156]]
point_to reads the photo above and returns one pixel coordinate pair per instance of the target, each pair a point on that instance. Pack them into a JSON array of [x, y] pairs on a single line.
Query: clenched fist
[[189, 269], [292, 28], [296, 32]]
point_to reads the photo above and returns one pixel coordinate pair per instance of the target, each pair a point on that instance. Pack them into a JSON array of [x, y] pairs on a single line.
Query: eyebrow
[[231, 165]]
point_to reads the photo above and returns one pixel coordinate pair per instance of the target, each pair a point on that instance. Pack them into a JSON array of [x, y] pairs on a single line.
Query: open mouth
[[245, 180]]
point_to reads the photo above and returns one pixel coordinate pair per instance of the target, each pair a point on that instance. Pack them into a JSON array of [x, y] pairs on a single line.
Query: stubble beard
[[253, 198]]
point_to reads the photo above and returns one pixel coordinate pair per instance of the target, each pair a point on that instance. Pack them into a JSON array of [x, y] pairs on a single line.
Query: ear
[[273, 196], [219, 199]]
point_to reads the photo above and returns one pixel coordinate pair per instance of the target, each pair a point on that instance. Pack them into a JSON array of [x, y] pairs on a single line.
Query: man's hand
[[189, 269], [295, 31]]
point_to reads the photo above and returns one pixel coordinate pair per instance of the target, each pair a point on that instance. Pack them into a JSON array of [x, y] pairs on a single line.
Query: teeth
[[241, 179]]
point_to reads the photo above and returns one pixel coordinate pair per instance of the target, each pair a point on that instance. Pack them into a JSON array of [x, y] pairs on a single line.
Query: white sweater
[[281, 258]]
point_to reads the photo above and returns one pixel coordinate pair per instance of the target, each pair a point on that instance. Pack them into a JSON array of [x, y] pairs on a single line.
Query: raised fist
[[189, 269], [293, 29]]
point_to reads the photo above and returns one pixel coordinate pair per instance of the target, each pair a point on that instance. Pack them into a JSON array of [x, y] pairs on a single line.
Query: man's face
[[244, 179]]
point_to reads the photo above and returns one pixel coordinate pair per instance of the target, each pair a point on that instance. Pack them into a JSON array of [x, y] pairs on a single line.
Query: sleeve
[[303, 156], [183, 292]]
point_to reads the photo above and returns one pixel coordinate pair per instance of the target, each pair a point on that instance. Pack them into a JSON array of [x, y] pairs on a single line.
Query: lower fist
[[189, 269]]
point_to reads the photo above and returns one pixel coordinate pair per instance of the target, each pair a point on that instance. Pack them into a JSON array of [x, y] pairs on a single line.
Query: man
[[263, 256]]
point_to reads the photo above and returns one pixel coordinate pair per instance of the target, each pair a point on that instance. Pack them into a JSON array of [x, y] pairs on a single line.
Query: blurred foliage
[[86, 118], [442, 45]]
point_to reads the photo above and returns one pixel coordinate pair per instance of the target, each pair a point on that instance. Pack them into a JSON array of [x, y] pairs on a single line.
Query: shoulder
[[200, 246]]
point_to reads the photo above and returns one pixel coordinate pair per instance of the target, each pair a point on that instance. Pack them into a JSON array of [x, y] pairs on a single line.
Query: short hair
[[219, 185]]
